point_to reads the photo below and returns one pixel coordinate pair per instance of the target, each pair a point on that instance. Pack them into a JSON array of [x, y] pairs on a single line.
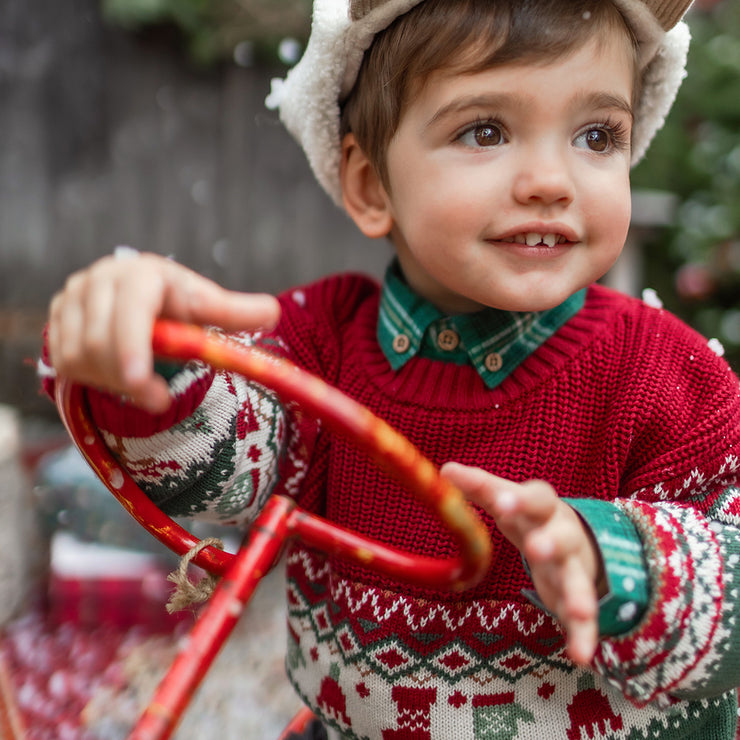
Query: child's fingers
[[517, 508], [132, 332], [98, 304], [499, 496], [139, 300], [209, 303], [537, 501], [98, 300], [168, 289], [552, 539], [582, 639], [100, 323], [567, 591], [68, 324], [83, 342], [65, 324], [190, 297], [479, 487], [578, 612], [556, 540]]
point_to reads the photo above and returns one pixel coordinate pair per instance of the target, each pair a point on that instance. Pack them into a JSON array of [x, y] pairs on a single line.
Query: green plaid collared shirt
[[495, 342]]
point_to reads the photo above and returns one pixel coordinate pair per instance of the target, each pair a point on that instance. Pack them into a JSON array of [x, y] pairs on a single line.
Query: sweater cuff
[[621, 549], [188, 386], [620, 546]]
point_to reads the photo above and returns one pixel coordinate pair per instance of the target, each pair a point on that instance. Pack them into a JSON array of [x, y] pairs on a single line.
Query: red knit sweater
[[624, 403]]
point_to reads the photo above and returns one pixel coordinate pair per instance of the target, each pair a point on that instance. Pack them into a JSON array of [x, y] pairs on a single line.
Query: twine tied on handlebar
[[187, 594]]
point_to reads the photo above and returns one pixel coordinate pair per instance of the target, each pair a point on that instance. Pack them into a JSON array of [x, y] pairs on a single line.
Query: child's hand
[[563, 558], [100, 324]]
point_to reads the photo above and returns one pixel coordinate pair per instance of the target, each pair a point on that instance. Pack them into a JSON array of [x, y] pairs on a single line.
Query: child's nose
[[543, 177]]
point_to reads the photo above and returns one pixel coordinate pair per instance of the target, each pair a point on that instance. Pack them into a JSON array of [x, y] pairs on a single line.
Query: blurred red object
[[51, 674], [11, 721], [92, 586], [98, 604], [695, 282]]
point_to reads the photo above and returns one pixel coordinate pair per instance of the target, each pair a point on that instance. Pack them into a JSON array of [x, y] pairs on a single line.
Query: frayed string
[[187, 593]]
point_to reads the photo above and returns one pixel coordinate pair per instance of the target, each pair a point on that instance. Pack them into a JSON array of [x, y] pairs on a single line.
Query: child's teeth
[[532, 240]]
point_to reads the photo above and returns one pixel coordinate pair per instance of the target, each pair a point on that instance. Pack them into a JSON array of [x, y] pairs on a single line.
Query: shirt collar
[[495, 342]]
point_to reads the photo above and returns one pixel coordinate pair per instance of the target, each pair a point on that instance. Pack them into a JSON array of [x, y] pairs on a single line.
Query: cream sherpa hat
[[342, 30]]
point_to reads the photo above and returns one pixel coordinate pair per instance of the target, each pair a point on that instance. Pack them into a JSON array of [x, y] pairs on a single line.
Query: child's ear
[[364, 195]]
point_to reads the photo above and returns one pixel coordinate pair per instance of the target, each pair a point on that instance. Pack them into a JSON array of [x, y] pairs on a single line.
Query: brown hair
[[466, 36]]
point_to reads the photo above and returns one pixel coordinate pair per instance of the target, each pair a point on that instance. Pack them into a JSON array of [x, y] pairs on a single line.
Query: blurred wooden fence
[[107, 139]]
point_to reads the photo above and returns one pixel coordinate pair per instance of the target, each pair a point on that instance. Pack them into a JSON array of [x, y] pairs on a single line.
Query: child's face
[[481, 162]]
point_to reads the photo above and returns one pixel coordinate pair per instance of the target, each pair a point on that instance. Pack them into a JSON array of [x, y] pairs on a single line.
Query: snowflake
[[716, 346], [651, 298]]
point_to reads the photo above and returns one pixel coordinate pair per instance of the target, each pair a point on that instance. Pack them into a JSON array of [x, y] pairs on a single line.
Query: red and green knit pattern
[[623, 404], [378, 664]]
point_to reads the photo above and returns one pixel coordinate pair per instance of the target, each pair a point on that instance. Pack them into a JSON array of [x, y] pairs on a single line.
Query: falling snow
[[716, 346], [651, 298]]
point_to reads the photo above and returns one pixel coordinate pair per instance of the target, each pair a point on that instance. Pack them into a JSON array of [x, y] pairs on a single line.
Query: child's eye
[[603, 138], [482, 135], [597, 140]]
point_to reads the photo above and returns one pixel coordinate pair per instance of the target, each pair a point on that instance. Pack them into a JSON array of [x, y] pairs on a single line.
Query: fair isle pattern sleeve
[[680, 487], [687, 645], [220, 450], [227, 443]]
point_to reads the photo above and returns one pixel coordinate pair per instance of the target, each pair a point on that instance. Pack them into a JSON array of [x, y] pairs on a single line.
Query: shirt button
[[627, 611], [448, 340], [494, 362], [401, 343]]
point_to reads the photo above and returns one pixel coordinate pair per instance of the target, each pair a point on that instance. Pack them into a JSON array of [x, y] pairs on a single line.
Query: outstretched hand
[[100, 323], [563, 559]]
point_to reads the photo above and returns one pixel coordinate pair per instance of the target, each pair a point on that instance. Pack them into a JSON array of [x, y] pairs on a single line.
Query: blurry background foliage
[[694, 265], [215, 30]]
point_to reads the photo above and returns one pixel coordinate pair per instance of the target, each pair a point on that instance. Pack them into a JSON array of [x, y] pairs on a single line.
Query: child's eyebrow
[[497, 101], [593, 101], [604, 101]]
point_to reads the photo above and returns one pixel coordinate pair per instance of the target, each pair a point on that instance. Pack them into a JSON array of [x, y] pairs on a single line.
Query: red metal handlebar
[[280, 518]]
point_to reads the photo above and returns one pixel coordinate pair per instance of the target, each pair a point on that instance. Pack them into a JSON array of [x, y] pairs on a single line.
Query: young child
[[491, 141]]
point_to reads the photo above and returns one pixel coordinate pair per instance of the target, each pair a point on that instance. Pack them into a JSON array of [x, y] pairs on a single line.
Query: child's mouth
[[532, 239]]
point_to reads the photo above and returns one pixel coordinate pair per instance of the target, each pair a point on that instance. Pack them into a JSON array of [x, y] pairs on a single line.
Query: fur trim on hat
[[662, 79], [309, 97]]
